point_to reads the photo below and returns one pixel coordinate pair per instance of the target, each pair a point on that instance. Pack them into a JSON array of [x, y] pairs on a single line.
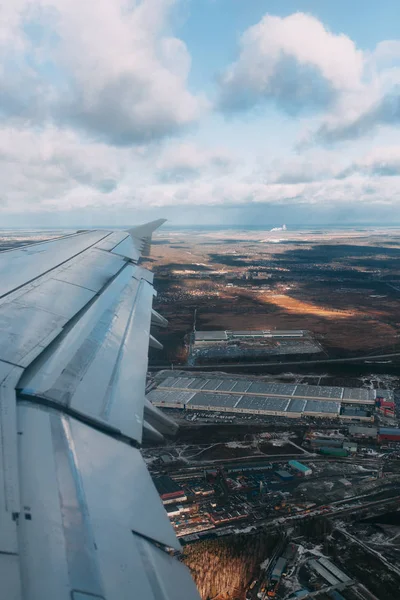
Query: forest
[[224, 568]]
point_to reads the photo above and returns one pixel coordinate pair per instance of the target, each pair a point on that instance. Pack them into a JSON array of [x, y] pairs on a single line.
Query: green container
[[334, 451]]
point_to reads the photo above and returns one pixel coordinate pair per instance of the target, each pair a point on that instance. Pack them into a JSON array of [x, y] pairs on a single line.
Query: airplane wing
[[80, 518]]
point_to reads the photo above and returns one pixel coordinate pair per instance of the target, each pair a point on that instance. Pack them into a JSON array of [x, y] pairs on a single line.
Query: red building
[[387, 408], [389, 434]]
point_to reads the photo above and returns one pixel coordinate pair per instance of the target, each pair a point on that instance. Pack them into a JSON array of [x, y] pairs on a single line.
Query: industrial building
[[243, 404], [169, 490], [389, 434], [355, 396], [334, 570], [254, 343], [350, 413], [321, 442], [339, 452], [221, 336], [299, 467], [173, 510], [362, 432], [284, 475], [242, 396], [350, 447], [323, 572], [386, 407]]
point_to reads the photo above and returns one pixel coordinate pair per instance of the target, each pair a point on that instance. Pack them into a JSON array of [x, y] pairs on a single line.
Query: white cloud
[[188, 160], [109, 67], [294, 61], [47, 166], [381, 162], [87, 121], [371, 107], [299, 65]]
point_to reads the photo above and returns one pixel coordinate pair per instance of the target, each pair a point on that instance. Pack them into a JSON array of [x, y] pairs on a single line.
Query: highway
[[246, 365]]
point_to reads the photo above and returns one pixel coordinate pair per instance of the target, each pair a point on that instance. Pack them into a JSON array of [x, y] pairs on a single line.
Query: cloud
[[381, 162], [301, 67], [47, 166], [384, 112], [92, 93], [294, 61], [189, 161], [110, 68], [369, 108], [319, 166], [306, 167]]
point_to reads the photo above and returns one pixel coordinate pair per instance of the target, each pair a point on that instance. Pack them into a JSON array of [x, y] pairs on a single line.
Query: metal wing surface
[[80, 518]]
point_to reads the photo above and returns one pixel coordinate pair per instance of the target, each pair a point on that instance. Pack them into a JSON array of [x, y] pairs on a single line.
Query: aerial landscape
[[286, 466], [338, 285], [283, 479], [200, 300]]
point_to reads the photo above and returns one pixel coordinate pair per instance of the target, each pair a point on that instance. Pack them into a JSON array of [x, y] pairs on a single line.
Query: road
[[246, 365], [377, 554], [247, 462]]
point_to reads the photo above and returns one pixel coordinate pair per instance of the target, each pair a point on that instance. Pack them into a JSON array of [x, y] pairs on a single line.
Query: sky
[[219, 112]]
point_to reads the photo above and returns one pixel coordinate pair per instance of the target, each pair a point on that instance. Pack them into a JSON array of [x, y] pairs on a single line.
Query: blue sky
[[203, 111]]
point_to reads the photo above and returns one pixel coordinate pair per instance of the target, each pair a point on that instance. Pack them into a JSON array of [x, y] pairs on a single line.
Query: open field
[[344, 287]]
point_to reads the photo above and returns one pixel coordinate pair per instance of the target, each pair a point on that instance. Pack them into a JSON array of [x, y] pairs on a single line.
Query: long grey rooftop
[[236, 402], [249, 387]]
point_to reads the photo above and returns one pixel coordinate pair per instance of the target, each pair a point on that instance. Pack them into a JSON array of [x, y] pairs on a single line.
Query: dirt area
[[219, 452], [272, 449], [343, 287]]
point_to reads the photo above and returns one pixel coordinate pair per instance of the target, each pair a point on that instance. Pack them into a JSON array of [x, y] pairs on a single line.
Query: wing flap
[[94, 515], [99, 366]]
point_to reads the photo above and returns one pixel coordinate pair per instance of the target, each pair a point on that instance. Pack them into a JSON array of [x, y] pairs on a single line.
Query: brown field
[[294, 305], [340, 286]]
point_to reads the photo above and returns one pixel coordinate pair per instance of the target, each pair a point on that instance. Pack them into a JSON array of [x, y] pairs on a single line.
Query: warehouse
[[353, 396], [317, 408], [356, 414], [389, 434], [255, 397], [299, 467], [215, 400], [166, 399], [320, 442], [256, 344], [284, 475], [323, 572], [219, 336], [351, 447], [220, 402], [359, 431], [210, 336], [256, 405], [334, 570], [265, 406]]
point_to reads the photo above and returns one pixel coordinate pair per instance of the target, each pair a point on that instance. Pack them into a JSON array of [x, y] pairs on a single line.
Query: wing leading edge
[[79, 516]]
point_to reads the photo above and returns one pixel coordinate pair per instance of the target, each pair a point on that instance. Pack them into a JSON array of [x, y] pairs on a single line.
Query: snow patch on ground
[[245, 530], [237, 445], [316, 551]]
